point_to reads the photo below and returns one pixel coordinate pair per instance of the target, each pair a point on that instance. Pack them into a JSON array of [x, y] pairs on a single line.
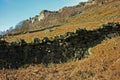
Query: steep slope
[[88, 15], [102, 64], [47, 18]]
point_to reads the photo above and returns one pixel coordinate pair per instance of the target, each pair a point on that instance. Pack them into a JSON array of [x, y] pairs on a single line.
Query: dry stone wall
[[63, 48]]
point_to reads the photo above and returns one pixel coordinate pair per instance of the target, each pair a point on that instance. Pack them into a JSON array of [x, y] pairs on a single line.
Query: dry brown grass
[[102, 64], [90, 18]]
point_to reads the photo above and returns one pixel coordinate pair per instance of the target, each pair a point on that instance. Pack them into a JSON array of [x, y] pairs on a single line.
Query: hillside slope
[[102, 64], [83, 32], [89, 16]]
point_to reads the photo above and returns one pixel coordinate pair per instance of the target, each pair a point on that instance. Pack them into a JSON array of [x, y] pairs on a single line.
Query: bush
[[36, 41]]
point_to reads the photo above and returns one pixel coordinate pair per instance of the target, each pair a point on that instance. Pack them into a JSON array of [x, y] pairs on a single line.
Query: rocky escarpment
[[47, 18], [63, 48]]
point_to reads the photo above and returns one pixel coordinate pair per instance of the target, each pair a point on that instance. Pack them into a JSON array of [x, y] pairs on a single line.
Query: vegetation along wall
[[63, 48]]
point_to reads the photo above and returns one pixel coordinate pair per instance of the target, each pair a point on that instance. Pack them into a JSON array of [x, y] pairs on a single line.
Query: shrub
[[36, 41]]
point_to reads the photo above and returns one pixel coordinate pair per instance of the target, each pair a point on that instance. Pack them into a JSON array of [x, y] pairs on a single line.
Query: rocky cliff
[[47, 18]]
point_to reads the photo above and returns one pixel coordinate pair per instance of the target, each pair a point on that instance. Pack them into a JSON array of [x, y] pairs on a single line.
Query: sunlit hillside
[[90, 18], [82, 45], [102, 64]]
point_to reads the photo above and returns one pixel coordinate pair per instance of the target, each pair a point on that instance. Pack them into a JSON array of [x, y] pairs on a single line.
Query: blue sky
[[14, 11]]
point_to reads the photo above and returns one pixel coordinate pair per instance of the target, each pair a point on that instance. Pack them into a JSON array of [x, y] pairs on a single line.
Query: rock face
[[99, 1], [47, 18], [42, 16]]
